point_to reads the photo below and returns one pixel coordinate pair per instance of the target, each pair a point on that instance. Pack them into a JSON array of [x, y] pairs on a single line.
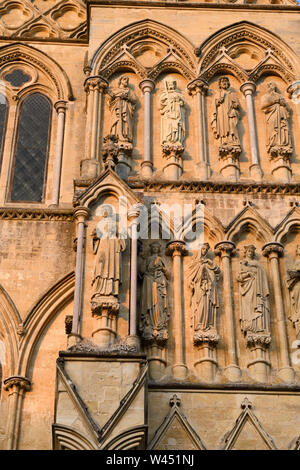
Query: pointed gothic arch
[[286, 63], [10, 322], [120, 51], [19, 54], [249, 220], [39, 317]]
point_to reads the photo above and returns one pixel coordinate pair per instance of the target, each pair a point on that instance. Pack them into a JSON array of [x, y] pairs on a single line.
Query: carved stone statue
[[225, 118], [293, 285], [122, 105], [172, 110], [203, 274], [154, 306], [254, 295], [275, 107], [107, 246]]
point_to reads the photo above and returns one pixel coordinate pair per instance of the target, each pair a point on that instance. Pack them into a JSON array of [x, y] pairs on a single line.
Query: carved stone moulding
[[107, 305], [210, 338], [23, 383], [110, 151], [258, 339]]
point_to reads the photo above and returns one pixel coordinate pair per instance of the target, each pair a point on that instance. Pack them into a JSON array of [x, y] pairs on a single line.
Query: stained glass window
[[31, 149], [3, 116]]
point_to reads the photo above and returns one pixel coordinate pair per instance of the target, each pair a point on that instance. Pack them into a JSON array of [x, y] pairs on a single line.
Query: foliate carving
[[197, 86], [225, 120], [154, 300], [254, 299], [279, 141], [172, 110], [17, 381], [293, 285], [95, 83], [225, 248], [122, 104], [176, 248], [108, 245], [36, 214], [270, 248], [110, 151], [203, 275]]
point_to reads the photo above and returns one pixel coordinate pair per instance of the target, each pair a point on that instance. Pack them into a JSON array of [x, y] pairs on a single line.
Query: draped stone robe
[[254, 297], [122, 109], [225, 118], [173, 118], [277, 114], [293, 284], [154, 308], [107, 268], [202, 276]]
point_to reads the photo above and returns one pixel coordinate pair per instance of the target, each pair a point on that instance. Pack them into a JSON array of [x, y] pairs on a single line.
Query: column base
[[255, 172], [146, 169], [233, 373], [73, 339], [157, 365], [203, 170], [133, 341], [180, 371], [287, 374], [230, 169], [89, 168]]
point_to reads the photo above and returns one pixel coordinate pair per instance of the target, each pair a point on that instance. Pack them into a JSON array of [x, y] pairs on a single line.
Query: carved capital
[[105, 305], [134, 212], [282, 152], [60, 106], [225, 248], [197, 86], [170, 151], [273, 248], [81, 213], [230, 152], [209, 338], [176, 248], [95, 83], [294, 90], [258, 339], [147, 85], [248, 88], [17, 381]]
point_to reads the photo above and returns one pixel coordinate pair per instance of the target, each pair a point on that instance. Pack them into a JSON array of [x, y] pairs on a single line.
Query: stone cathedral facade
[[149, 224]]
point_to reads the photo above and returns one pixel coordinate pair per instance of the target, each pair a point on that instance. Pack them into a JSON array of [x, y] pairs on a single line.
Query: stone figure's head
[[123, 81], [272, 86], [155, 248], [224, 83], [171, 85], [204, 249], [249, 251]]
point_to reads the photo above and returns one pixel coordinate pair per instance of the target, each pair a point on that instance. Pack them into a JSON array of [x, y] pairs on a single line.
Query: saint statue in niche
[[293, 285], [172, 110], [226, 117], [277, 117], [154, 306], [122, 104], [254, 294], [108, 245], [203, 274]]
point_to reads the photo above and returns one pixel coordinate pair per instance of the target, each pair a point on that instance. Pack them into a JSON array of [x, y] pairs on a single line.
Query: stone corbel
[[173, 156]]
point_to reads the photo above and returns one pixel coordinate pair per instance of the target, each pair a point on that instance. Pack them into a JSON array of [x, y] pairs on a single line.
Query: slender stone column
[[198, 88], [225, 250], [95, 88], [273, 251], [177, 249], [248, 89], [147, 86], [16, 387], [60, 107], [81, 214], [133, 338]]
